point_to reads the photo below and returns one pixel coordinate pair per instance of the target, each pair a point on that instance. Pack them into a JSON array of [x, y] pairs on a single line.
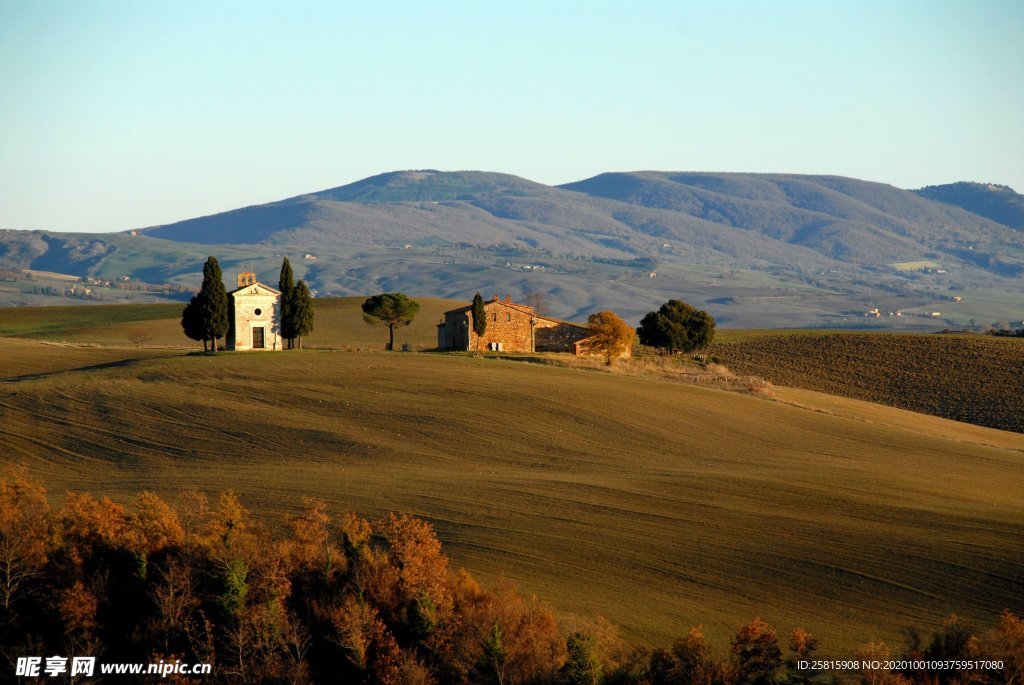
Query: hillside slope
[[996, 202], [968, 378], [658, 505], [338, 324], [977, 379]]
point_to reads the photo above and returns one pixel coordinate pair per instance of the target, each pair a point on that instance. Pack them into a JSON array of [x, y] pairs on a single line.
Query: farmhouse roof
[[507, 302]]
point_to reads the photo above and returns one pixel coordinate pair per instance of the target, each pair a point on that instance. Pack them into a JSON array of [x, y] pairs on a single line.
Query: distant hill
[[755, 249], [809, 222], [840, 218], [998, 203]]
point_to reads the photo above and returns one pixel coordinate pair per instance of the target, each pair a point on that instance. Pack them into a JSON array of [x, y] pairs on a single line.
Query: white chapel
[[254, 316]]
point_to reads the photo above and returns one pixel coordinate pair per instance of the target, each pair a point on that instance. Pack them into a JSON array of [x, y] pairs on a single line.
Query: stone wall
[[510, 328], [557, 336], [454, 335]]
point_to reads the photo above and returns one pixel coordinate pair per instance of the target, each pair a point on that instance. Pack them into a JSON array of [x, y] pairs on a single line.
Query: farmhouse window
[[494, 316], [508, 316]]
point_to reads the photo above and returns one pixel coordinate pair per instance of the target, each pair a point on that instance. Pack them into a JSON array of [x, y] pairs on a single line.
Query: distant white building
[[254, 316]]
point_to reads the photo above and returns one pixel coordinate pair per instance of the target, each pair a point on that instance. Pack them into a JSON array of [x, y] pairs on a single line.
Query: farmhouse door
[[258, 338]]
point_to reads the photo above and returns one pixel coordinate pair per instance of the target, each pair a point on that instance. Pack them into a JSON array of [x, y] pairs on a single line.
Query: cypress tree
[[286, 284], [479, 320], [191, 322], [302, 311], [213, 303]]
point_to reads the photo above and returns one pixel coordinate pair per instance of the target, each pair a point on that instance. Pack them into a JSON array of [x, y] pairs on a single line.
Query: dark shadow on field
[[92, 367], [529, 359]]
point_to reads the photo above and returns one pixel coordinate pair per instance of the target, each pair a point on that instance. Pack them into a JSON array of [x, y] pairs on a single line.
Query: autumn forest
[[329, 597]]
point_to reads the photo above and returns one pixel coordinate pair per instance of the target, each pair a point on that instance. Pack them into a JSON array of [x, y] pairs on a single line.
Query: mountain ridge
[[837, 217], [590, 243]]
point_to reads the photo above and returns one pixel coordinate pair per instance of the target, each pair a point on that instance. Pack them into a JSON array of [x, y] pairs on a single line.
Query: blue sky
[[117, 115]]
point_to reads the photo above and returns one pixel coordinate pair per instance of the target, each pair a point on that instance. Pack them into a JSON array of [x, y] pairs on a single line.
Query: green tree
[[213, 303], [302, 311], [479, 320], [191, 322], [494, 660], [391, 309], [582, 666], [286, 284], [677, 327]]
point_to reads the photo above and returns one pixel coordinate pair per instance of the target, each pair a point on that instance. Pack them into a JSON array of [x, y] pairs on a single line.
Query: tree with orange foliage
[[877, 652], [310, 548], [610, 336], [693, 655], [497, 637], [77, 608], [152, 526], [367, 643], [228, 521], [24, 533], [1009, 643], [689, 662], [353, 625], [756, 656], [193, 509], [94, 523], [802, 645], [420, 570]]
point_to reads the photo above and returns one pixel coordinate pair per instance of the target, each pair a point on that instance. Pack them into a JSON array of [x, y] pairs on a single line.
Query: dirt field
[[656, 504], [977, 379]]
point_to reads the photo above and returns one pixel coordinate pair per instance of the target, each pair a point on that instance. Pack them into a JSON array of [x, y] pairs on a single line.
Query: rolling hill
[[658, 505], [754, 249], [992, 201], [974, 378], [970, 378], [339, 325]]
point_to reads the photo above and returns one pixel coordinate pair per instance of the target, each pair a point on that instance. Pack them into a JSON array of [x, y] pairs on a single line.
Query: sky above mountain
[[122, 114]]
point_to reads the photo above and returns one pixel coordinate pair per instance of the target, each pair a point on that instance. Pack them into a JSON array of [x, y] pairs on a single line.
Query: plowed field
[[976, 379]]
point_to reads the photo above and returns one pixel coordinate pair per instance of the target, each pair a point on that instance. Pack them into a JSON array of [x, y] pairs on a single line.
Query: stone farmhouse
[[254, 316], [511, 327]]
